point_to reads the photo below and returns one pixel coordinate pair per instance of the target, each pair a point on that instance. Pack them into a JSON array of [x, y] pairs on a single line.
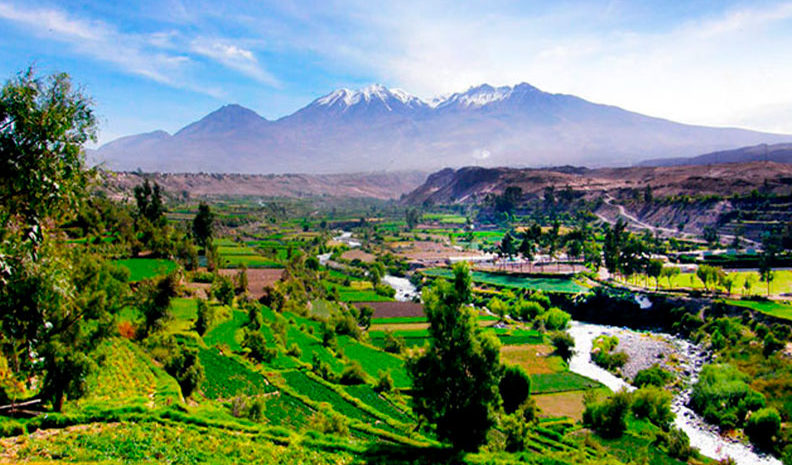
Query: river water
[[702, 435]]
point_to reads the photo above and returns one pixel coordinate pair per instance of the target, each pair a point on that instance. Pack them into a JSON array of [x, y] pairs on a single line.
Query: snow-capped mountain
[[376, 128]]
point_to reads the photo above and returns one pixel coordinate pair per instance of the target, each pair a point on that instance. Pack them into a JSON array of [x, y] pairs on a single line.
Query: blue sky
[[162, 64]]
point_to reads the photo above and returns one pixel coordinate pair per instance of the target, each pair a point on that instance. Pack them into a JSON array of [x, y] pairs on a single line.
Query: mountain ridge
[[377, 128]]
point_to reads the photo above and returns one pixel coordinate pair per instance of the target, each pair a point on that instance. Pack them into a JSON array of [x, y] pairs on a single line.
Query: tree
[[669, 272], [527, 248], [608, 417], [205, 317], [708, 276], [456, 379], [149, 203], [507, 247], [155, 302], [55, 302], [654, 269], [592, 255], [611, 247], [203, 225], [711, 236], [514, 388], [727, 281], [564, 344], [412, 217], [763, 426], [766, 273]]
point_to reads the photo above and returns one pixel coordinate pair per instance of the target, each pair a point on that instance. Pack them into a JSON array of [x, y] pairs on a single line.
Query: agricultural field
[[373, 360], [781, 283], [547, 383], [544, 284], [146, 268], [227, 377], [778, 309], [533, 358]]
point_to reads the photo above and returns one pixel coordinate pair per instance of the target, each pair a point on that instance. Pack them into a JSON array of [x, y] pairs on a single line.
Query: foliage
[[180, 361], [149, 203], [384, 382], [564, 344], [155, 302], [556, 319], [652, 376], [353, 374], [455, 380], [763, 426], [654, 404], [256, 344], [608, 417], [203, 225], [205, 317], [722, 395], [514, 388], [602, 353], [222, 289]]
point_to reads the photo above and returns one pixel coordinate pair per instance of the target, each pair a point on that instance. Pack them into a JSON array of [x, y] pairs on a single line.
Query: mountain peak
[[224, 119], [484, 94], [344, 98]]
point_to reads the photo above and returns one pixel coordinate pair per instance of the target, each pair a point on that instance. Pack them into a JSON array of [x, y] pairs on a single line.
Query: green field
[[146, 268], [373, 360], [318, 392], [226, 377], [547, 383], [781, 284], [776, 309], [225, 333], [367, 395], [545, 284]]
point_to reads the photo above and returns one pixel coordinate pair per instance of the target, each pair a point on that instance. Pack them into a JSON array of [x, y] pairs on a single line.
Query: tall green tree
[[55, 302], [456, 379], [203, 225], [149, 203]]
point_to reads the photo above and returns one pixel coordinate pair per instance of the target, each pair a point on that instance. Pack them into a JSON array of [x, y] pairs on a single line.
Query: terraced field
[[544, 284], [226, 377], [146, 268]]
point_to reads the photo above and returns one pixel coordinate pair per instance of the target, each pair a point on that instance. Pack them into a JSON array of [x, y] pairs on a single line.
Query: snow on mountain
[[377, 128]]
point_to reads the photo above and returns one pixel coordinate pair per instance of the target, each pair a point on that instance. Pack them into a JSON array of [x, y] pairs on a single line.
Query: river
[[702, 435]]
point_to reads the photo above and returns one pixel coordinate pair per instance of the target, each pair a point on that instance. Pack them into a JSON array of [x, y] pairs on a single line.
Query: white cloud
[[234, 57]]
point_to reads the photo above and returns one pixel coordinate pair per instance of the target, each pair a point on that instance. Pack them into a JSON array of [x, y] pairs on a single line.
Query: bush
[[206, 315], [294, 350], [763, 426], [652, 376], [564, 344], [256, 343], [353, 374], [527, 310], [602, 353], [556, 319], [384, 290], [384, 382], [608, 417], [223, 290], [677, 443], [183, 364], [653, 404], [514, 387], [326, 421], [392, 343], [722, 395]]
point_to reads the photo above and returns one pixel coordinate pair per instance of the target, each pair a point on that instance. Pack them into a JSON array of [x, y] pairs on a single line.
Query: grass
[[226, 333], [283, 409], [373, 360], [773, 308], [122, 379], [533, 358], [318, 392], [366, 394], [781, 284], [561, 404], [250, 261], [146, 268], [561, 382], [545, 284], [227, 377], [398, 320]]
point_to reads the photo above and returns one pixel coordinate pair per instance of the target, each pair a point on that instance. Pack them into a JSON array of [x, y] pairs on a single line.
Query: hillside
[[388, 129], [371, 185], [737, 198], [779, 153]]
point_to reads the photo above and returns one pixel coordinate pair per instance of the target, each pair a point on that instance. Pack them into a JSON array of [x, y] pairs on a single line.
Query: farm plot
[[310, 347], [258, 278], [533, 358], [536, 283], [367, 395], [373, 360], [123, 378], [227, 332], [227, 377], [318, 392], [561, 382], [394, 309], [355, 293], [283, 409], [777, 309], [146, 268]]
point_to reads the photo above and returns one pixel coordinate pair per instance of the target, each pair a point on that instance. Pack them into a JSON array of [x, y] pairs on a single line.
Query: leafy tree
[[393, 343], [222, 289], [564, 344], [726, 280], [507, 246], [203, 225], [384, 382], [763, 426], [669, 272], [497, 307], [364, 315], [241, 280], [527, 248], [615, 237], [205, 317], [592, 255], [256, 343], [412, 217], [353, 374], [555, 319], [654, 269], [155, 305], [456, 379], [184, 365], [149, 203], [708, 275], [514, 388], [652, 376], [711, 236]]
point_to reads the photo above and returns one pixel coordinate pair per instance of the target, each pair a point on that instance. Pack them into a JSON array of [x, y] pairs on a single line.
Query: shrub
[[564, 344], [677, 443], [608, 417], [556, 319], [222, 289], [326, 421], [206, 315], [384, 290], [294, 350], [527, 310], [722, 395], [353, 374], [392, 343], [183, 364], [763, 426], [514, 387], [256, 343], [384, 382], [653, 404], [652, 376]]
